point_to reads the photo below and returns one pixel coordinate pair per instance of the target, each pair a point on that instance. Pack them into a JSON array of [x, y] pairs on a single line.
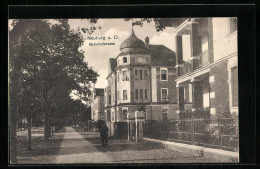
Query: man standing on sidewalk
[[103, 134]]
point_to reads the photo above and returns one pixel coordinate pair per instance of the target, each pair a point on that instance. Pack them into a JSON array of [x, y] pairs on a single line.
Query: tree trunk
[[52, 130], [12, 134], [29, 133], [13, 113], [47, 127]]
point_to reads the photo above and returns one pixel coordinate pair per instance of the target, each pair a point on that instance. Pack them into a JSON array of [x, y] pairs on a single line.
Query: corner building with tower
[[142, 76]]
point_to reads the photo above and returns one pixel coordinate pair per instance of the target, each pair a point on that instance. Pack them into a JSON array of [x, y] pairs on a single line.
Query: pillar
[[197, 97], [210, 41], [179, 54], [180, 98], [195, 43]]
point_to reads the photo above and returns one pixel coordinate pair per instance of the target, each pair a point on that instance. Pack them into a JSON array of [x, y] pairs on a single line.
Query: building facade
[[97, 105], [141, 76], [206, 65]]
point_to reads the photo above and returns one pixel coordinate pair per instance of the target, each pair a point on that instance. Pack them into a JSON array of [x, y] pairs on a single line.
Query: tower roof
[[132, 42]]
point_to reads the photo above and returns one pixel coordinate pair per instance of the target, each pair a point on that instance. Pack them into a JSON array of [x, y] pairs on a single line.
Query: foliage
[[226, 113], [49, 66], [160, 23]]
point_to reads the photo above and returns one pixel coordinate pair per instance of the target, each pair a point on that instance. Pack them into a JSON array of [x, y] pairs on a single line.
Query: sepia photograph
[[123, 90]]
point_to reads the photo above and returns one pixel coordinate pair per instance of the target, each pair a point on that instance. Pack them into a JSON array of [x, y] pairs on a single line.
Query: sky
[[98, 56]]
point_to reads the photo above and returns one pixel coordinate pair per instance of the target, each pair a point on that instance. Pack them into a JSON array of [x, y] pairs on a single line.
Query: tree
[[226, 113], [160, 23], [45, 58]]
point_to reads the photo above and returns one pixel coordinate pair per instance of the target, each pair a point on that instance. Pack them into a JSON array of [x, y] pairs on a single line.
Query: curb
[[217, 154]]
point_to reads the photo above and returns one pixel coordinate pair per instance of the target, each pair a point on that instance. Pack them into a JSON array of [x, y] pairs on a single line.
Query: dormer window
[[124, 59]]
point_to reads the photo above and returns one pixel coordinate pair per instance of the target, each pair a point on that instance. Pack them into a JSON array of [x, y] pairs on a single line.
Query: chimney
[[147, 41]]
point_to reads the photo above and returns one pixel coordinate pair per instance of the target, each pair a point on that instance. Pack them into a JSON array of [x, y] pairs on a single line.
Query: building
[[141, 76], [207, 69], [97, 105]]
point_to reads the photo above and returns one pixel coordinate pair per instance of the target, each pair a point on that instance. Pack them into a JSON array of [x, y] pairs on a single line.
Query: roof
[[162, 56], [112, 64], [99, 92], [132, 42]]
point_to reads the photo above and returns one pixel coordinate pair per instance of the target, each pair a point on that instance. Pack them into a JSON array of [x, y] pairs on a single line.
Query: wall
[[140, 84], [224, 43], [232, 62], [170, 84], [124, 85], [157, 111], [219, 87]]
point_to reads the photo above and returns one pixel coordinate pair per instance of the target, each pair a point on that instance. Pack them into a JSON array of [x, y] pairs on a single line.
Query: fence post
[[219, 129]]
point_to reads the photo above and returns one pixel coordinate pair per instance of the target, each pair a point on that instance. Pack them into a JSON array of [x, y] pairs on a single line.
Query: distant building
[[206, 65], [97, 105], [142, 75]]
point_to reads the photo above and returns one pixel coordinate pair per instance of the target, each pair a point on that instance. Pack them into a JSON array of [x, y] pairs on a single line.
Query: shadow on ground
[[42, 151], [124, 151], [119, 144]]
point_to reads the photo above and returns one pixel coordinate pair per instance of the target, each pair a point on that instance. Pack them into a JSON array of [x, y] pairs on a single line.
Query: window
[[146, 94], [233, 25], [112, 116], [164, 74], [164, 93], [145, 74], [140, 59], [124, 94], [125, 109], [109, 99], [136, 74], [164, 114], [125, 77], [124, 59], [234, 79], [136, 93], [141, 93], [141, 74]]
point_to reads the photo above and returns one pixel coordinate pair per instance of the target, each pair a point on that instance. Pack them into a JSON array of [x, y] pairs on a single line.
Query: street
[[71, 146]]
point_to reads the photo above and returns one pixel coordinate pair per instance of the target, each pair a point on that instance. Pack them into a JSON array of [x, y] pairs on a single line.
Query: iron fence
[[219, 133]]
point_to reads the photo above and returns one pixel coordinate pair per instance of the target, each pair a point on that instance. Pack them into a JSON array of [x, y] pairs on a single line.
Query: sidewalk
[[221, 155], [76, 149], [73, 146]]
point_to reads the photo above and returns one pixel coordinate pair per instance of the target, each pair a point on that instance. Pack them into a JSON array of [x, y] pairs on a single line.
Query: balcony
[[202, 61], [186, 68]]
